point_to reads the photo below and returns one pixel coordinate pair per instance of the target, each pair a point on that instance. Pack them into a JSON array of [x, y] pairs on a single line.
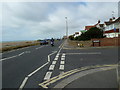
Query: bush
[[92, 33], [71, 37]]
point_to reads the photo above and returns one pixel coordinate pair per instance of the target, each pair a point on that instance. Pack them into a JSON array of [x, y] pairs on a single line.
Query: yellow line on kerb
[[68, 73]]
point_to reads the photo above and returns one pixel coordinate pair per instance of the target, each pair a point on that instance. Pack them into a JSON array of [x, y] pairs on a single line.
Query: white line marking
[[51, 67], [62, 58], [54, 62], [61, 67], [21, 53], [48, 75], [23, 83], [12, 56], [62, 62], [58, 54], [63, 54], [50, 55], [39, 47], [56, 58], [37, 69]]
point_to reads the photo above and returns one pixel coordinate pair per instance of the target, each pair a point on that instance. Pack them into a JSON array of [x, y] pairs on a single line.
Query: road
[[28, 67]]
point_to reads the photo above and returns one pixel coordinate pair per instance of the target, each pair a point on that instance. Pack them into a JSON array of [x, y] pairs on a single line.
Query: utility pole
[[66, 27]]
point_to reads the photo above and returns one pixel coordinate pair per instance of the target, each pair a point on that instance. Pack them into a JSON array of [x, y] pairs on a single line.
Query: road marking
[[62, 58], [68, 73], [12, 56], [54, 62], [84, 53], [37, 69], [56, 58], [51, 67], [26, 78], [63, 54], [23, 83], [50, 55], [61, 67], [61, 45], [58, 54], [48, 75], [39, 47], [62, 62]]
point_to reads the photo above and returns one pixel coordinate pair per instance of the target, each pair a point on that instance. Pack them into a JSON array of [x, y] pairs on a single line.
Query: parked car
[[43, 42]]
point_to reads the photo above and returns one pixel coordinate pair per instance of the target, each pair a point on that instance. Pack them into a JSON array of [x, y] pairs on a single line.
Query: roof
[[101, 25], [88, 27], [83, 31], [76, 32], [111, 22]]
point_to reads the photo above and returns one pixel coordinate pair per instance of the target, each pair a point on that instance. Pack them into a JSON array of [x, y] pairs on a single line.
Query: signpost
[[96, 42]]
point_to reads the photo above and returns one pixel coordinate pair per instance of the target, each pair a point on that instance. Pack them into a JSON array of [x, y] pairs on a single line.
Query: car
[[43, 42]]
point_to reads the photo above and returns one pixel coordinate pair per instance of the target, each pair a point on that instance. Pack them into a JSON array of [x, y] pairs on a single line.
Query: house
[[77, 34], [112, 27], [88, 27], [98, 25]]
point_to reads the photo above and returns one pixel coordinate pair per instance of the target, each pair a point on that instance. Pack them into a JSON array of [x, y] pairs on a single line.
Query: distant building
[[112, 28]]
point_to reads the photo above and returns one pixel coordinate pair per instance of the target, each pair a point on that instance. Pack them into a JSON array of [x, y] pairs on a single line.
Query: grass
[[19, 46]]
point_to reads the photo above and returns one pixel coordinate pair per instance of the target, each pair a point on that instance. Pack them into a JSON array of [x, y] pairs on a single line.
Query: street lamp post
[[66, 27]]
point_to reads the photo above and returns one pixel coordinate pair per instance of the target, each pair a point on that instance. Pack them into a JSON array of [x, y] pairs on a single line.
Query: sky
[[42, 20]]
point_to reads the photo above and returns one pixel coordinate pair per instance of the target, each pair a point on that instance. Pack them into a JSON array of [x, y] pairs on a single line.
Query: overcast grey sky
[[41, 20]]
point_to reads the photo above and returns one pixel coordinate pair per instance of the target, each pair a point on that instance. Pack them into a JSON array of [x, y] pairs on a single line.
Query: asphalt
[[105, 79], [16, 69]]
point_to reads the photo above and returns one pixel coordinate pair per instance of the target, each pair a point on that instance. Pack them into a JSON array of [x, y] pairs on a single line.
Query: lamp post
[[66, 27]]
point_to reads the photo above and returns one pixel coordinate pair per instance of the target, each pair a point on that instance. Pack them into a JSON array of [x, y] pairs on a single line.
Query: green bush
[[92, 33]]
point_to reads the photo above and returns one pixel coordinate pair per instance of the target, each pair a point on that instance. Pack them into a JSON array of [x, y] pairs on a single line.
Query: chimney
[[110, 20], [98, 21]]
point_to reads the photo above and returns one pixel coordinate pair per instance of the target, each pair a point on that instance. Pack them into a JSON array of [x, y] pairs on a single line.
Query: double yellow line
[[68, 73]]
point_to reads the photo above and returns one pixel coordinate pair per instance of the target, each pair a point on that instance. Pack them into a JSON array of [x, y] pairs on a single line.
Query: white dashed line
[[56, 58], [61, 67], [48, 75], [62, 62], [62, 58], [51, 67], [63, 54], [54, 62], [39, 47]]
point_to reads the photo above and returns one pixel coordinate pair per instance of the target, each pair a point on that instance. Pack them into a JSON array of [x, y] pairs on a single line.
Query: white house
[[77, 34], [111, 28]]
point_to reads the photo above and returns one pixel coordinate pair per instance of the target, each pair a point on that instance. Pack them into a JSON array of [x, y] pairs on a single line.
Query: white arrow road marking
[[48, 75]]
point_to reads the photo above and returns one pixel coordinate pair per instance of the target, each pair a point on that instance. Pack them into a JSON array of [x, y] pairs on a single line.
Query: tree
[[92, 33]]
